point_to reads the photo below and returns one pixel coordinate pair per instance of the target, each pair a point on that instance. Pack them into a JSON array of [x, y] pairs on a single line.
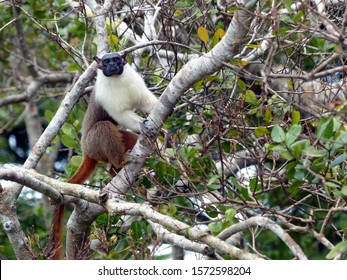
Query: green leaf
[[241, 84], [251, 4], [290, 167], [74, 68], [203, 34], [215, 227], [316, 153], [242, 190], [292, 134], [338, 249], [183, 4], [268, 116], [294, 187], [238, 62], [213, 179], [245, 194], [288, 5], [344, 191], [211, 211], [304, 143], [68, 129], [172, 209], [295, 117], [250, 97], [325, 129], [76, 160], [332, 185], [49, 115], [279, 149], [229, 215], [137, 229], [340, 141], [277, 134], [260, 131], [299, 16], [69, 141], [299, 146], [214, 41], [253, 46], [300, 172], [164, 209], [253, 184], [338, 160], [217, 36], [213, 187], [114, 39], [296, 151]]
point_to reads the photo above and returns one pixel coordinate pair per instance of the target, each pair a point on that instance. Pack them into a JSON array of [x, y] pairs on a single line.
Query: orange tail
[[54, 245], [85, 170], [55, 241]]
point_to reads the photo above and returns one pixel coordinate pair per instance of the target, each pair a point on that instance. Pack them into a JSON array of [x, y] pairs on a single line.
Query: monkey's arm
[[129, 119], [148, 102]]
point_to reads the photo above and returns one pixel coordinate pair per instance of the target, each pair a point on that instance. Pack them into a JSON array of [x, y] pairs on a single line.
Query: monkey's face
[[111, 64]]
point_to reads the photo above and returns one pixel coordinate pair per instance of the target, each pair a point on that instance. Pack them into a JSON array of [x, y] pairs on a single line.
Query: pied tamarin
[[118, 92]]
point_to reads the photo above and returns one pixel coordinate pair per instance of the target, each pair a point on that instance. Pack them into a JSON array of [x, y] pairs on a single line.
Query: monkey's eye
[[116, 59], [106, 61]]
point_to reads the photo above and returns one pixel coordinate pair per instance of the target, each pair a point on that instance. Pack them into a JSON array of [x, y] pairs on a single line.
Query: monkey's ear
[[123, 56], [98, 61]]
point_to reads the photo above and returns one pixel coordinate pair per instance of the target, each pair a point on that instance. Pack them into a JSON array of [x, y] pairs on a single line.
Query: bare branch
[[268, 224]]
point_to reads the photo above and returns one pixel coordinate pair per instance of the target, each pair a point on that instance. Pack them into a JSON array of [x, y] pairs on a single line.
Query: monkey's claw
[[147, 130]]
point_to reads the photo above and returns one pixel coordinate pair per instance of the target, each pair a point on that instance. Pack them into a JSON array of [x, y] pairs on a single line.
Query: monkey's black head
[[111, 64]]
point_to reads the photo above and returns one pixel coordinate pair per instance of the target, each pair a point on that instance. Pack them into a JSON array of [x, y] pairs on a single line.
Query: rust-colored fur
[[102, 140]]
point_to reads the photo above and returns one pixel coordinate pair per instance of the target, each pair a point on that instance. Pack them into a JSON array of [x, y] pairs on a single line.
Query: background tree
[[244, 156]]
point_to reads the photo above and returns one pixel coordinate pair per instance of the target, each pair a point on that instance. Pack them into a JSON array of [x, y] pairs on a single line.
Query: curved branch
[[268, 224], [11, 173], [31, 178], [143, 210], [35, 84], [180, 241]]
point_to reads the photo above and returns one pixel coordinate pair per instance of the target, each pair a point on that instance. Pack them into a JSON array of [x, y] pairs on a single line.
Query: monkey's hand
[[146, 130]]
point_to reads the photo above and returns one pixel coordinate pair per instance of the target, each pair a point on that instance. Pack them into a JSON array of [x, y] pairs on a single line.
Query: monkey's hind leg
[[105, 142], [129, 140]]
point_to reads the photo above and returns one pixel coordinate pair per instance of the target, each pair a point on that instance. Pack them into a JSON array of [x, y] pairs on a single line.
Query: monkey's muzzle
[[112, 69]]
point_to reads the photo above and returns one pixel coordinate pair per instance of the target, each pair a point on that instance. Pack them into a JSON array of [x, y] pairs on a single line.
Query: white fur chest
[[121, 95], [121, 92]]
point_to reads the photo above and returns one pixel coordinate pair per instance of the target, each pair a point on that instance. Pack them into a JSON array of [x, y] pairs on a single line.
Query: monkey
[[119, 91]]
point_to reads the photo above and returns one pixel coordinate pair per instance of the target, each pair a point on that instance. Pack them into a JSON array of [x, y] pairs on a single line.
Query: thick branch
[[118, 208], [134, 209], [179, 240]]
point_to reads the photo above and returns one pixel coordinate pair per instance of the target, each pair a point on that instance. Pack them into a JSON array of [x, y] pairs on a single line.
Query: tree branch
[[268, 224]]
